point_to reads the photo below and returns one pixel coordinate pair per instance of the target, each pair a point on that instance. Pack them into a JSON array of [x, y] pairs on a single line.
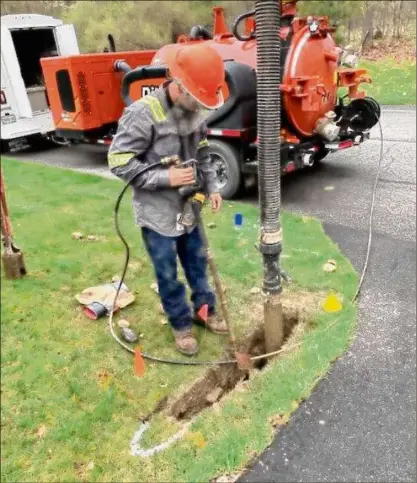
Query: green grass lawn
[[70, 401], [393, 83]]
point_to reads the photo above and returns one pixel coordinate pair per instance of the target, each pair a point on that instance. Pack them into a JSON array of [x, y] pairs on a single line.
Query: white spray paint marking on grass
[[137, 450]]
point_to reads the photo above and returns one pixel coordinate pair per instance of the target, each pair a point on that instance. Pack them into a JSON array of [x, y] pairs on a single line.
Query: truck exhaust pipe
[[112, 43], [268, 21]]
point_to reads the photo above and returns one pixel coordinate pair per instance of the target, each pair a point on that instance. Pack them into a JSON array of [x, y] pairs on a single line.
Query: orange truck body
[[310, 82], [88, 93], [95, 88]]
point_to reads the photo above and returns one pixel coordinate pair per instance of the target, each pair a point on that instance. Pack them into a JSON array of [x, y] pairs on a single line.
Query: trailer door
[[14, 74], [66, 40]]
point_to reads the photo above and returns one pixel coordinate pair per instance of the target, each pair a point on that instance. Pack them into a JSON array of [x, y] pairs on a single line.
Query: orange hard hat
[[199, 70]]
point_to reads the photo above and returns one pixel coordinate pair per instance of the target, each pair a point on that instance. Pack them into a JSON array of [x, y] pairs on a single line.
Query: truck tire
[[225, 158], [318, 158], [4, 146]]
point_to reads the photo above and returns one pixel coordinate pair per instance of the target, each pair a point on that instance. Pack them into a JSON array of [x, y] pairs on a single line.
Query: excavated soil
[[221, 380], [299, 309]]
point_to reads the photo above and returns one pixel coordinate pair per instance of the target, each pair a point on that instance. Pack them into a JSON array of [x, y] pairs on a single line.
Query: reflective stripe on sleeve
[[155, 107], [204, 143], [116, 160]]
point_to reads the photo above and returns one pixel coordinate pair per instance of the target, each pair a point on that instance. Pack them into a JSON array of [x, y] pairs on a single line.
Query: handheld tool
[[243, 360], [194, 196], [13, 260], [192, 214]]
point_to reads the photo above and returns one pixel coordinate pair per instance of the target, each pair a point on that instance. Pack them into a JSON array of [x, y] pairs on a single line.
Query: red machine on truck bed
[[87, 93]]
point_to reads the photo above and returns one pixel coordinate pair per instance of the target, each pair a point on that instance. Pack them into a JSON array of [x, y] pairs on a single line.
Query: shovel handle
[[218, 285], [6, 227]]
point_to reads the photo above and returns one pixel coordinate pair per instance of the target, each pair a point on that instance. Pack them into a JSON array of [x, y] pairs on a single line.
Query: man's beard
[[186, 121]]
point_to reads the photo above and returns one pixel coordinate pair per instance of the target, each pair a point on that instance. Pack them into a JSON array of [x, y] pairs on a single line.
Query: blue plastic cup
[[238, 220]]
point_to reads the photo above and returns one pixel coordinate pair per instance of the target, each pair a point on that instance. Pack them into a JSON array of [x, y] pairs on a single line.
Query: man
[[171, 122]]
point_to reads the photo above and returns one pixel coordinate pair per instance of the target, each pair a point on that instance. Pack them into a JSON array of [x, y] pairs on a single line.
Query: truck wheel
[[225, 158], [5, 148], [318, 157]]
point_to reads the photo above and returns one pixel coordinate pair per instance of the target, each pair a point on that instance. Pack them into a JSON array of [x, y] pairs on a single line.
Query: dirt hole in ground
[[218, 381]]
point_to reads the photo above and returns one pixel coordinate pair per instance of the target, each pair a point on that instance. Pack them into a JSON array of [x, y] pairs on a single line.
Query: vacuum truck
[[323, 107]]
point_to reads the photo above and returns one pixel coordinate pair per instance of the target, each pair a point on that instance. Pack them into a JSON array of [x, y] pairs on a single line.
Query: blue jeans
[[163, 252]]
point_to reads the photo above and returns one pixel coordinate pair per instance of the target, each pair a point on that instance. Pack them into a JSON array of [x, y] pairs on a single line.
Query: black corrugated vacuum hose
[[269, 106], [268, 21]]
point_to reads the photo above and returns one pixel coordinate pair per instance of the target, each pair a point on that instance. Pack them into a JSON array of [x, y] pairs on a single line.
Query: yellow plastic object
[[332, 304]]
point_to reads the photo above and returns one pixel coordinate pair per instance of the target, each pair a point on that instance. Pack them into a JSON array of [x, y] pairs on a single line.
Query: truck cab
[[25, 39]]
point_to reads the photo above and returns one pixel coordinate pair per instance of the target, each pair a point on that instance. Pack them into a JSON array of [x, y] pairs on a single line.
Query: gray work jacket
[[150, 129]]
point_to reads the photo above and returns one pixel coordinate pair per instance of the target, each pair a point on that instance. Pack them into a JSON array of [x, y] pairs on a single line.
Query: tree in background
[[366, 19], [52, 8], [340, 12], [135, 25], [151, 24]]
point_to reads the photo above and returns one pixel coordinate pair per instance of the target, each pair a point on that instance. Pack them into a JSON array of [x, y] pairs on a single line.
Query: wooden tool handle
[[6, 227], [218, 285]]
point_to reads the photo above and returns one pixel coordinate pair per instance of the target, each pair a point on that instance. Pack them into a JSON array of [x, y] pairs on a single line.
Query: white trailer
[[25, 39]]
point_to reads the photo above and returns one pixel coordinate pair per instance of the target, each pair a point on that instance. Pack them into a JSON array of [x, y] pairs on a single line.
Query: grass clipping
[[71, 407]]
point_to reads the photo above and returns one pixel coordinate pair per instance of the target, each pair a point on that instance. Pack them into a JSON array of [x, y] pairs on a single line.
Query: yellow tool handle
[[199, 197]]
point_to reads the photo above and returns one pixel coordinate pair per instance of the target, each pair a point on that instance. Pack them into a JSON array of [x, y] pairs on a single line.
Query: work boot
[[185, 342], [214, 323]]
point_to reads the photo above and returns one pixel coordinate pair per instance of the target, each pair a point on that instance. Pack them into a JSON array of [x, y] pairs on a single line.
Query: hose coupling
[[270, 250], [271, 237], [272, 275], [271, 246], [170, 161], [121, 66]]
